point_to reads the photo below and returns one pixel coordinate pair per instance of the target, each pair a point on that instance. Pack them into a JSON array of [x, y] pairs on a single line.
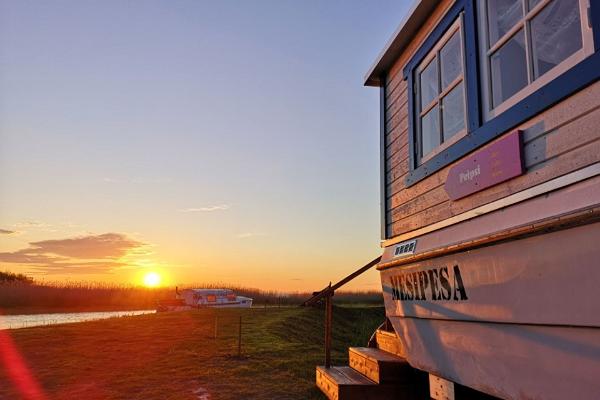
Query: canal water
[[29, 320]]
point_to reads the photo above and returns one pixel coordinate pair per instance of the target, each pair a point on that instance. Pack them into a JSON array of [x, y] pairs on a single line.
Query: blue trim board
[[595, 19], [435, 36], [412, 146], [577, 78], [472, 67], [383, 156]]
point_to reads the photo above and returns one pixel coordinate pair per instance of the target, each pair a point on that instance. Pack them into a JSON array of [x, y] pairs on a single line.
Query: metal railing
[[327, 294]]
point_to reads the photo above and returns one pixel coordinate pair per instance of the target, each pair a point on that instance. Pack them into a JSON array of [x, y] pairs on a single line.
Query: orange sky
[[211, 142]]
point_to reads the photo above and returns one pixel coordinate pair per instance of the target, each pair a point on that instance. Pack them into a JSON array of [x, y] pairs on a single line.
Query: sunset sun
[[151, 279]]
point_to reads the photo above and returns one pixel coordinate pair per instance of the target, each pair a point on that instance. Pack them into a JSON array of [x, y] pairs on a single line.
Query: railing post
[[328, 321]]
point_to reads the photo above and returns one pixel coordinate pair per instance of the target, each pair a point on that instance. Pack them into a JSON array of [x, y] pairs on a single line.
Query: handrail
[[328, 293], [331, 289]]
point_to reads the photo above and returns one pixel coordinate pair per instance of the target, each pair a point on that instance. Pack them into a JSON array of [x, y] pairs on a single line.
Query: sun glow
[[151, 279]]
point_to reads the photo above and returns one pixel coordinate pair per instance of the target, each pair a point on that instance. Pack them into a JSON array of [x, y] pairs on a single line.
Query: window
[[488, 66], [441, 94], [526, 43]]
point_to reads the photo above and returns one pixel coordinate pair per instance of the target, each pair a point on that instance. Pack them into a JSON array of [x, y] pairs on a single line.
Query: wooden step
[[389, 342], [342, 383], [345, 383], [380, 366]]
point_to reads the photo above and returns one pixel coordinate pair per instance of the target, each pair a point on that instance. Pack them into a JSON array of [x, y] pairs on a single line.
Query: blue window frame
[[480, 132]]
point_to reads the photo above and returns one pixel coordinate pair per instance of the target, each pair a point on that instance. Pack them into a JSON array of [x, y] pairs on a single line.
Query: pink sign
[[496, 163]]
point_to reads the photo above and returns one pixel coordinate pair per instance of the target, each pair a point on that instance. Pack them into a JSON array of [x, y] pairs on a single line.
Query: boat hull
[[517, 320], [226, 305]]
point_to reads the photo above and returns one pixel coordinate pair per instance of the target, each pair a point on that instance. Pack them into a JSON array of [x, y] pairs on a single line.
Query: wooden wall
[[562, 139]]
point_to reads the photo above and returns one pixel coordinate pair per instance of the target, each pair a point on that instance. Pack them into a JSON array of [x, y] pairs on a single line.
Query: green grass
[[169, 355]]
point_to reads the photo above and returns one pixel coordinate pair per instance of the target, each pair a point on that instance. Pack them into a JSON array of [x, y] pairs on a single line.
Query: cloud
[[221, 207], [247, 235], [135, 180], [31, 224], [85, 254], [111, 245], [6, 232]]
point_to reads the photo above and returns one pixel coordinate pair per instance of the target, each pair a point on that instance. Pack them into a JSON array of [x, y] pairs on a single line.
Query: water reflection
[[29, 320]]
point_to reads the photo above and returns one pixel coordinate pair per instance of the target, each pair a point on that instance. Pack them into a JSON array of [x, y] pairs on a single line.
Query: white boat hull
[[226, 305], [518, 320]]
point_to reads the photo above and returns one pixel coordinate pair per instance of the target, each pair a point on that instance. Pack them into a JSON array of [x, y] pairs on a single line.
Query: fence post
[[328, 320], [240, 339]]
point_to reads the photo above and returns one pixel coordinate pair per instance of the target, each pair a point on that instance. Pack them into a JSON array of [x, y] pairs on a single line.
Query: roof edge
[[412, 22]]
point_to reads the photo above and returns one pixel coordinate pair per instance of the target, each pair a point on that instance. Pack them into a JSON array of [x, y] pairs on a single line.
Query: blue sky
[[234, 139]]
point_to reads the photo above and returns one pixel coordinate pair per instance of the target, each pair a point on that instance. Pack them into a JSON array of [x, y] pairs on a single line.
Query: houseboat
[[187, 299], [490, 202]]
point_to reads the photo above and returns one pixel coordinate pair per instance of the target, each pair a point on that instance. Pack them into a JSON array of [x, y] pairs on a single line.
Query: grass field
[[175, 355]]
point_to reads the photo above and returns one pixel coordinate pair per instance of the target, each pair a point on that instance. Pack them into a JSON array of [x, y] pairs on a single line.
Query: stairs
[[374, 373], [388, 341]]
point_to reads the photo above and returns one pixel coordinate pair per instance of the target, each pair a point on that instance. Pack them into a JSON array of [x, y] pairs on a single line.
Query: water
[[29, 320]]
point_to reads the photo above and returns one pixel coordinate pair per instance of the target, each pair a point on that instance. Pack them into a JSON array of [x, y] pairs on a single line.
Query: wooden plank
[[570, 109], [397, 184], [400, 132], [397, 159], [397, 119], [393, 147], [396, 83], [559, 140], [392, 93], [581, 131], [344, 383], [379, 366], [394, 176], [560, 165], [561, 145], [389, 342], [420, 188], [401, 150], [344, 376], [433, 197], [398, 105]]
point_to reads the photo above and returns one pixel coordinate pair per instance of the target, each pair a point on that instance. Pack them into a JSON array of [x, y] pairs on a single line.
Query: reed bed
[[27, 296]]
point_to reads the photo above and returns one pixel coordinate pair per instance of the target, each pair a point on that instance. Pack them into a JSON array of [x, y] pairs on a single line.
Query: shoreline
[[31, 310]]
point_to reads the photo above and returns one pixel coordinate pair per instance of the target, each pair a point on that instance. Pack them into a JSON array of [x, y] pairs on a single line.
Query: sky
[[210, 141]]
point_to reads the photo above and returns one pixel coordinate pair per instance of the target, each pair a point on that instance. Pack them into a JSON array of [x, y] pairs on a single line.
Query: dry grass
[[171, 355], [27, 298], [16, 298]]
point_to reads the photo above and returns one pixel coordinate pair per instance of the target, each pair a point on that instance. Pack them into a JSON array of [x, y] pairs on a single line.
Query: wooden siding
[[560, 140]]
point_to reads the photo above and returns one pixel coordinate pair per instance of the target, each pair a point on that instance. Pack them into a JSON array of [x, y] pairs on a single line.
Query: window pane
[[451, 60], [429, 83], [453, 112], [430, 131], [555, 34], [509, 69], [503, 15]]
